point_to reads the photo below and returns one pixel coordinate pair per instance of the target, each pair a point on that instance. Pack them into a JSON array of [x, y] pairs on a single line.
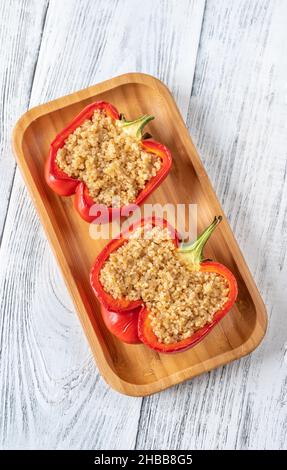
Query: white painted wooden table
[[226, 64]]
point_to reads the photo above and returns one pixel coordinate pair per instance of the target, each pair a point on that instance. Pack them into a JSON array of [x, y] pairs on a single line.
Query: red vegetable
[[119, 305], [193, 255], [65, 185], [123, 326]]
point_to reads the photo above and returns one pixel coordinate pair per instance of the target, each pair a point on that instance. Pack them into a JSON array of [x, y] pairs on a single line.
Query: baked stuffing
[[111, 162], [180, 300]]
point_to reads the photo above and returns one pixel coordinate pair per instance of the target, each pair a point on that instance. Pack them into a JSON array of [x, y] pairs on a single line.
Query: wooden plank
[[237, 117], [20, 37], [53, 395]]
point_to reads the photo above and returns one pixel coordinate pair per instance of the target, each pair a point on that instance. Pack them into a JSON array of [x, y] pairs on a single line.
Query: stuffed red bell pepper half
[[106, 161], [164, 290]]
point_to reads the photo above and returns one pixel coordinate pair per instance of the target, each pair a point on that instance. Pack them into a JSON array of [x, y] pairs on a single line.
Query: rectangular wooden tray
[[134, 369]]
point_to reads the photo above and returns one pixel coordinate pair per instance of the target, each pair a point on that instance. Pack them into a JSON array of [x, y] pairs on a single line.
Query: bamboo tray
[[134, 369]]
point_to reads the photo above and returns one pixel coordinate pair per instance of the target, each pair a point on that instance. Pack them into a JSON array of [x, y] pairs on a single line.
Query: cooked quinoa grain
[[110, 162], [180, 300]]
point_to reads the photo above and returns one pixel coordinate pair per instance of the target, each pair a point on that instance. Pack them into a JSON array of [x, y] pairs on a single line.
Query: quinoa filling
[[112, 163], [180, 300]]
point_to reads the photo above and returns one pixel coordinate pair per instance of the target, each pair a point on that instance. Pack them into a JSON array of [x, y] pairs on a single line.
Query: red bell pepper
[[193, 255], [123, 326], [65, 185], [111, 304]]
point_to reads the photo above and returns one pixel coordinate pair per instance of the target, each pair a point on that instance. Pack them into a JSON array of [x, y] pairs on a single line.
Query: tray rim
[[110, 376]]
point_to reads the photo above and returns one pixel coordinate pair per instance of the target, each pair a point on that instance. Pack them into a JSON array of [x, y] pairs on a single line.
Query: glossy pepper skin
[[65, 185], [123, 326], [192, 253]]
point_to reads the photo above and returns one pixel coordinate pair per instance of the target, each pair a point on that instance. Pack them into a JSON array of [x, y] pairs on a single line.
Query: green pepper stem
[[135, 128], [192, 252]]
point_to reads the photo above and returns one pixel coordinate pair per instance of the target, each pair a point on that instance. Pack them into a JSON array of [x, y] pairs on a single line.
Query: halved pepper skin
[[193, 256], [147, 336], [57, 179], [123, 326], [121, 305], [65, 185]]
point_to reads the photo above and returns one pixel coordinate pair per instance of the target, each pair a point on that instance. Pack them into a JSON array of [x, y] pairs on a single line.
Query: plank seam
[[192, 87], [138, 428], [28, 106], [197, 53]]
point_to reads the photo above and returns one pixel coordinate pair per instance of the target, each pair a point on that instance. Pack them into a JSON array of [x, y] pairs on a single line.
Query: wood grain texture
[[64, 393], [136, 370], [237, 117], [20, 38], [51, 395]]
